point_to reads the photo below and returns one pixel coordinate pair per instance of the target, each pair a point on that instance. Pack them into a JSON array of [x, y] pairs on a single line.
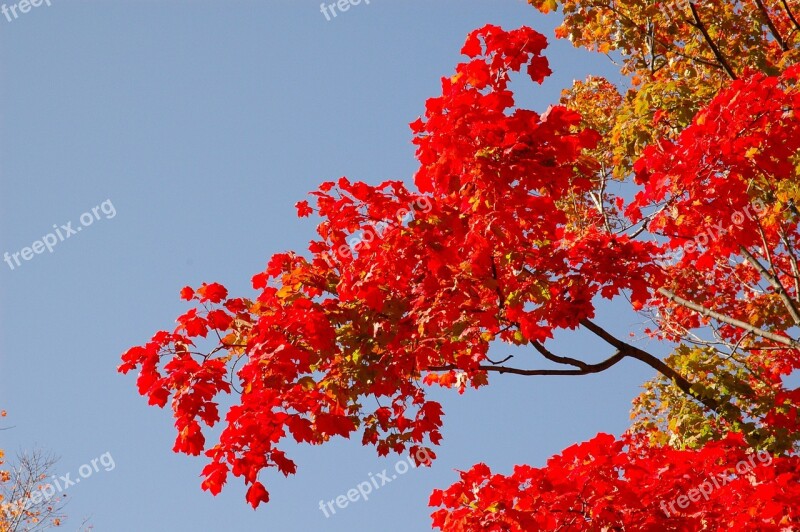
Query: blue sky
[[202, 123]]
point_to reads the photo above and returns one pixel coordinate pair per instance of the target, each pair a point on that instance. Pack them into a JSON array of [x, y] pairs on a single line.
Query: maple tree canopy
[[511, 234]]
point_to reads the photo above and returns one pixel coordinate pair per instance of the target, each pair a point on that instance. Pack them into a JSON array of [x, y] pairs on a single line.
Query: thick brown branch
[[726, 319], [559, 359], [588, 369], [582, 368], [771, 25], [657, 364], [698, 23]]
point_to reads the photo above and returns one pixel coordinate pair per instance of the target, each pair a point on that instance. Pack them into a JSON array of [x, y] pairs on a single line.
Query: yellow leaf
[[545, 6]]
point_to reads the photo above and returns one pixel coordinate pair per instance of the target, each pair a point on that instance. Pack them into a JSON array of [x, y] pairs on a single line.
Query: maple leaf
[[303, 209], [213, 293], [256, 494], [215, 475], [332, 425]]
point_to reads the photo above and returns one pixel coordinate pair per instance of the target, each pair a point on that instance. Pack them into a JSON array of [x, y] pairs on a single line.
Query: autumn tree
[[511, 234]]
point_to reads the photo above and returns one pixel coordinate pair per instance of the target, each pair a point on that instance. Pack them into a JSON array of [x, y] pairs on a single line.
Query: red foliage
[[610, 484], [501, 241]]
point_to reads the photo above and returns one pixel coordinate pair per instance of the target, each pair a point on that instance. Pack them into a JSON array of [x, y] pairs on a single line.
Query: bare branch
[[587, 370], [657, 364], [497, 363], [20, 512], [582, 368], [558, 359]]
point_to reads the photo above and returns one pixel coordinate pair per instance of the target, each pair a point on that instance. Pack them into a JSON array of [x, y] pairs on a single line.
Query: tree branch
[[771, 25], [791, 15], [784, 340], [698, 23], [587, 369], [670, 48], [776, 284], [793, 260], [558, 359], [582, 368], [657, 364]]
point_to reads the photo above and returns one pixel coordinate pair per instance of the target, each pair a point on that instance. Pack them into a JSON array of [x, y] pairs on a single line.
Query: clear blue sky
[[203, 123]]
